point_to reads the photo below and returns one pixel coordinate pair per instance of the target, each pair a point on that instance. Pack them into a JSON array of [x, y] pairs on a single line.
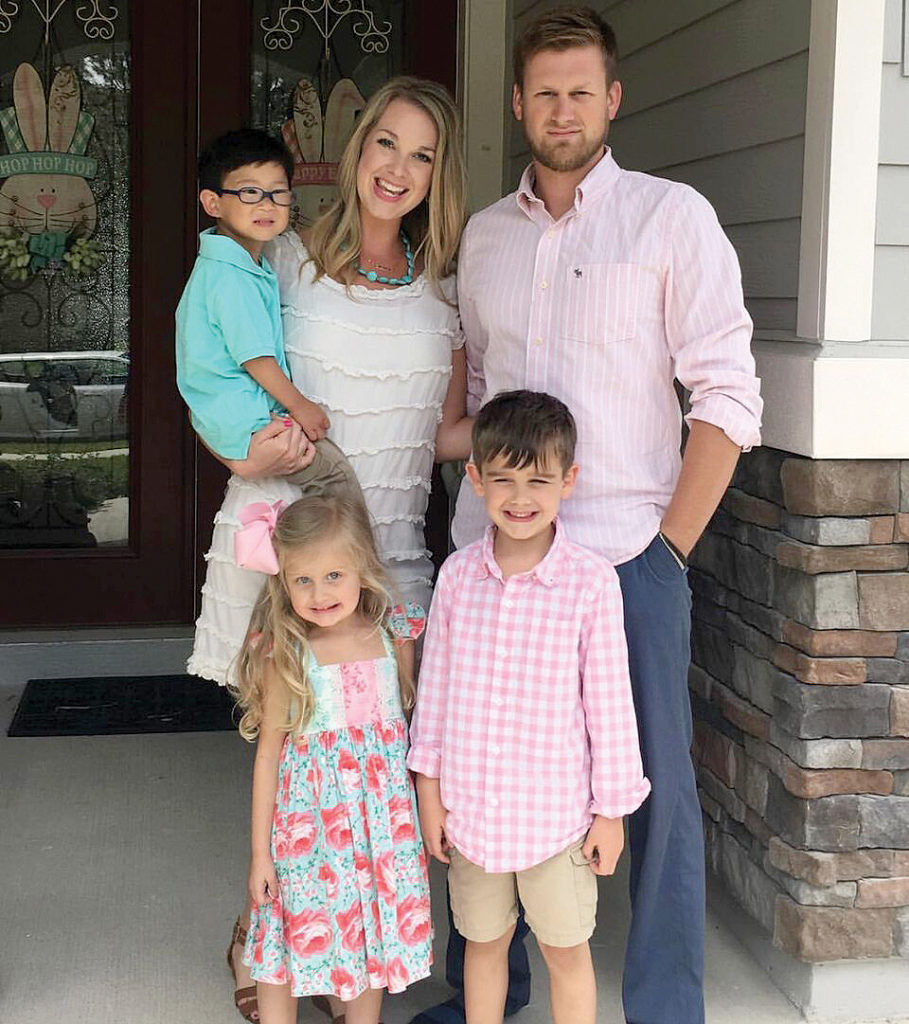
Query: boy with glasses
[[231, 368]]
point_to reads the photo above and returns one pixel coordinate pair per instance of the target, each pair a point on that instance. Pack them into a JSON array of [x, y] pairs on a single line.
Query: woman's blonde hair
[[434, 226], [277, 636]]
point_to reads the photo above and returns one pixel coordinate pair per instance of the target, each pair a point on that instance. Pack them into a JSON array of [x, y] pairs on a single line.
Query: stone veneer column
[[800, 687]]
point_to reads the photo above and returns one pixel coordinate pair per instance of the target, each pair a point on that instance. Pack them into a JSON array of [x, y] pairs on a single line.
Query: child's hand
[[311, 418], [263, 882], [603, 845], [433, 818]]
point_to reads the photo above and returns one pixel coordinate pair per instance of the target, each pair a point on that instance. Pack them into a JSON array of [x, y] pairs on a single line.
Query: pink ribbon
[[253, 547]]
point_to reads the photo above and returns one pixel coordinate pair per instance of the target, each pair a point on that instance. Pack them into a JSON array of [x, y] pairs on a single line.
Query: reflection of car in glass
[[63, 395]]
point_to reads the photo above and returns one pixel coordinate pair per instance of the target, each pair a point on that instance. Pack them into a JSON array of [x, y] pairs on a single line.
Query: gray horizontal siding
[[890, 310], [893, 32], [762, 106], [760, 183], [893, 204], [894, 146], [768, 251], [773, 314], [736, 39], [640, 23]]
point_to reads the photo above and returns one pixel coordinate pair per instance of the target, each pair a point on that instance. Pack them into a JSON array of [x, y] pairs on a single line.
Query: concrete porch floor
[[123, 860]]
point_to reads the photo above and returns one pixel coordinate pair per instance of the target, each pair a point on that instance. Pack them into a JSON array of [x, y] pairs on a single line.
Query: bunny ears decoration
[[317, 145], [253, 547], [46, 136]]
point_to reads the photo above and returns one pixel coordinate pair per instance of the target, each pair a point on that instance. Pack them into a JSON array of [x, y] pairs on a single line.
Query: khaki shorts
[[328, 473], [559, 898]]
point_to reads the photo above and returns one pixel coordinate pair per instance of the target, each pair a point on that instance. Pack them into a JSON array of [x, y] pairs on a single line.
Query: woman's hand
[[277, 449], [263, 881]]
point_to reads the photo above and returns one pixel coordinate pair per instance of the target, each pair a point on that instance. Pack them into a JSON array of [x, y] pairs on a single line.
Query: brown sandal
[[246, 999]]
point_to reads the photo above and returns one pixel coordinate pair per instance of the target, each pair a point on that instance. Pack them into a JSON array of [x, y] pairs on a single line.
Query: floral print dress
[[353, 911]]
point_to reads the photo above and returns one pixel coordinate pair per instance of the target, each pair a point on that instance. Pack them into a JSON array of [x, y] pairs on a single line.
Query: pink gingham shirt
[[634, 286], [524, 710]]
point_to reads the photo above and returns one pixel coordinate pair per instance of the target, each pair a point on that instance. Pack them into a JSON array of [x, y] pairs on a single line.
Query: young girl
[[338, 873]]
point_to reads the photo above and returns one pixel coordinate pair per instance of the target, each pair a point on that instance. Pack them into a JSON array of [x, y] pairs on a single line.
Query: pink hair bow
[[253, 547]]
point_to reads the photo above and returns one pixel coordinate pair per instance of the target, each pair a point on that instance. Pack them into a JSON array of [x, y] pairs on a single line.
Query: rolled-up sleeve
[[617, 782], [708, 329], [426, 730]]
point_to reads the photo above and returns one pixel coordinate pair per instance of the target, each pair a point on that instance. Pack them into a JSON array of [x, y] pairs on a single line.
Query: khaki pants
[[328, 473]]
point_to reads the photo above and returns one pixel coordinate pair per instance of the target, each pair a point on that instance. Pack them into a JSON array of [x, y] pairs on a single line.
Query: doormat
[[107, 705]]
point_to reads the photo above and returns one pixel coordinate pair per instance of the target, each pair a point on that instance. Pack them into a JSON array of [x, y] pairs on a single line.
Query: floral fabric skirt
[[353, 911]]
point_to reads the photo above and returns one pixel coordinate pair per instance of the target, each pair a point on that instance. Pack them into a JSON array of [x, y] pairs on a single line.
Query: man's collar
[[224, 249], [598, 179], [546, 571]]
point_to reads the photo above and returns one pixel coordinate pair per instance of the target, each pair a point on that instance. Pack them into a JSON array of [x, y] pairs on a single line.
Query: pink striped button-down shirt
[[524, 710], [634, 286]]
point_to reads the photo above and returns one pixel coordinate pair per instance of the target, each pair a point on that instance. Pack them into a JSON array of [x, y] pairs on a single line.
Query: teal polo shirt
[[229, 312]]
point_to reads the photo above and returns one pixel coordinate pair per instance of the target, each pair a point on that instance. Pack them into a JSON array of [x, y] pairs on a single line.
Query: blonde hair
[[278, 636], [435, 225]]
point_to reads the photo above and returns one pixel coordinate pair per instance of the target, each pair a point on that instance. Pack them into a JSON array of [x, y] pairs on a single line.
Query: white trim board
[[835, 401], [839, 190], [484, 59]]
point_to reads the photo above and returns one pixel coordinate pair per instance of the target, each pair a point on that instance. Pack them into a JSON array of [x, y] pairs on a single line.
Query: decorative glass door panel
[[64, 275], [314, 63], [97, 206]]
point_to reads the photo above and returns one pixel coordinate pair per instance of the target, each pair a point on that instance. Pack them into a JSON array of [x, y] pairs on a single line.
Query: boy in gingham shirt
[[524, 739]]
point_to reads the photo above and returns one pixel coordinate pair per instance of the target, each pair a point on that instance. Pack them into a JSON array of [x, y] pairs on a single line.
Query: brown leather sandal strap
[[239, 934], [243, 997]]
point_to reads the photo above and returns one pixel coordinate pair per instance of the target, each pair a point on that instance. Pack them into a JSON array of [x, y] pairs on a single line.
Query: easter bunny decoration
[[317, 145], [46, 195]]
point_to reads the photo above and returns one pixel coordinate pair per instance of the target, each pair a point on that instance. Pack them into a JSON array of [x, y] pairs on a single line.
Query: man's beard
[[559, 157]]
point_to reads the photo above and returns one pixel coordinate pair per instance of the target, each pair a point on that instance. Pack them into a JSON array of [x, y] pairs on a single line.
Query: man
[[602, 287]]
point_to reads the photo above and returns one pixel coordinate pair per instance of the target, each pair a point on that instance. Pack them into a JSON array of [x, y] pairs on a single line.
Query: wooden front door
[[106, 501]]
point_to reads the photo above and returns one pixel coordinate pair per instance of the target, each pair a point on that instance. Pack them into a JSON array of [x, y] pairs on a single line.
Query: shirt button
[[502, 652], [493, 802], [496, 749], [497, 701], [550, 233], [538, 341], [544, 284]]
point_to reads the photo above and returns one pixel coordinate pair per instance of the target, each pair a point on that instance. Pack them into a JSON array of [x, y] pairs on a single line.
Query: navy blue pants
[[664, 960]]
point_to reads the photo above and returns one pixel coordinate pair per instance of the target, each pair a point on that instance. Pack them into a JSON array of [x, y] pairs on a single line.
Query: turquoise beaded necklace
[[373, 275]]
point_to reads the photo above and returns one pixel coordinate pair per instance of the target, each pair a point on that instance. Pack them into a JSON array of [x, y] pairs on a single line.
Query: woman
[[372, 335]]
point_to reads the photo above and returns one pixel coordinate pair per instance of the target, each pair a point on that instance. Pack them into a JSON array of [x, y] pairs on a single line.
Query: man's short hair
[[237, 149], [525, 427], [562, 29]]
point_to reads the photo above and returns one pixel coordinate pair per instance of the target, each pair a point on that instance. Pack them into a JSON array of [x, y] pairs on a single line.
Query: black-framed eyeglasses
[[251, 195]]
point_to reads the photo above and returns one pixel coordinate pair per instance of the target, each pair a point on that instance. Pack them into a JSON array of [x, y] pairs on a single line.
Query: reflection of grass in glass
[[95, 480]]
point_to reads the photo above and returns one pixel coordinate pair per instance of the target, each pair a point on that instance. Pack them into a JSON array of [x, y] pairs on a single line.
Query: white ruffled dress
[[378, 362]]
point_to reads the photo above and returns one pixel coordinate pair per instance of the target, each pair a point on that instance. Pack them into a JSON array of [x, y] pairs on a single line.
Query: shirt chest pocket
[[602, 302]]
